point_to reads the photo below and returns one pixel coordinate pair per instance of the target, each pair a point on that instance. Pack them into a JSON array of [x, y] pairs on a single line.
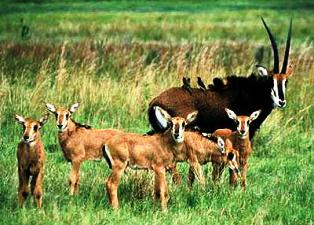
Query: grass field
[[114, 57]]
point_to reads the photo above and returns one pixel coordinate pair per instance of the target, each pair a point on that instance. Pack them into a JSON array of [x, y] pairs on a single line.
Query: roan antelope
[[78, 142], [156, 152], [240, 141], [243, 94], [31, 159]]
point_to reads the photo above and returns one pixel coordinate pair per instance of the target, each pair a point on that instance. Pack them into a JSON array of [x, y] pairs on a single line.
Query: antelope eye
[[67, 116], [35, 128], [183, 124], [56, 115]]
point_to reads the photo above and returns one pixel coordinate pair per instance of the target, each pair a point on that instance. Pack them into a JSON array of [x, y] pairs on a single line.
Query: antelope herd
[[194, 125]]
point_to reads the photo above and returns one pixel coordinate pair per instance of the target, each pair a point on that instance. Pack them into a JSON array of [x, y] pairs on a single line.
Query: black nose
[[242, 131], [282, 103], [59, 126], [26, 137]]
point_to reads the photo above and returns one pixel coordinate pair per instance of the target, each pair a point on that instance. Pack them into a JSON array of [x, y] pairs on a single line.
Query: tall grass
[[114, 80]]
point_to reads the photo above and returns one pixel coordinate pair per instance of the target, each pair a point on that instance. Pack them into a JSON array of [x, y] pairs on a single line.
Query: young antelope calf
[[156, 152], [241, 142], [31, 158], [210, 148], [78, 142]]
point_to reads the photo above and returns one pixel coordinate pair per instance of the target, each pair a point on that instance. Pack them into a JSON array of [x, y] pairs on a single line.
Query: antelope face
[[177, 124], [218, 140], [243, 122], [232, 157], [279, 79], [31, 127], [62, 115], [177, 130]]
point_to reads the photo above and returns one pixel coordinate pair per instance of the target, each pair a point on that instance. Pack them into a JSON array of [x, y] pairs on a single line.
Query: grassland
[[115, 57]]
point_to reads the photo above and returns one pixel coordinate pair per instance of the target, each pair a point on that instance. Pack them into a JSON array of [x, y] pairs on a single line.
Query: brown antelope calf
[[207, 148], [241, 142], [157, 152], [78, 142], [31, 159]]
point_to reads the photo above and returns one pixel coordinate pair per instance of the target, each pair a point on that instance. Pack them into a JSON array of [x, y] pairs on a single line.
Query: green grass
[[114, 58]]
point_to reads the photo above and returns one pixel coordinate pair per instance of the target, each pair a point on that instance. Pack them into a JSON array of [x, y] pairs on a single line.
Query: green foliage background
[[114, 57]]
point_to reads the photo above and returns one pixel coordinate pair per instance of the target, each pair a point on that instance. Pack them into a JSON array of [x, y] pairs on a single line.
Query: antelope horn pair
[[275, 49]]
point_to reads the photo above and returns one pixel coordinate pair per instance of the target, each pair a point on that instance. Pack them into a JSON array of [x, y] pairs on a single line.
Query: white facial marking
[[277, 102], [243, 127], [284, 88], [178, 137]]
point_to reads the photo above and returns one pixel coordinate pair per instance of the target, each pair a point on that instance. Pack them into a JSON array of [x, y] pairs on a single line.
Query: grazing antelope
[[31, 159], [156, 152], [207, 148], [78, 142], [243, 94], [241, 142]]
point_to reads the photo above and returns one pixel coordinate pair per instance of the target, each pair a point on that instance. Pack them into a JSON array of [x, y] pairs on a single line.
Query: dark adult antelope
[[242, 94], [240, 141], [156, 152], [78, 142], [31, 159]]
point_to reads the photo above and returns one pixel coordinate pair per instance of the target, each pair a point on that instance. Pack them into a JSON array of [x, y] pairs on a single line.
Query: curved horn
[[286, 58], [274, 46]]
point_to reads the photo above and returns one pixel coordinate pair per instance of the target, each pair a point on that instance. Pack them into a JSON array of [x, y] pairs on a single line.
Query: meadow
[[114, 57]]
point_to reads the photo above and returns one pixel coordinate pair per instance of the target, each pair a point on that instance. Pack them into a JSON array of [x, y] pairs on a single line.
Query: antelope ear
[[51, 107], [254, 115], [162, 116], [231, 114], [43, 119], [191, 117], [262, 71], [20, 119], [74, 107], [221, 144]]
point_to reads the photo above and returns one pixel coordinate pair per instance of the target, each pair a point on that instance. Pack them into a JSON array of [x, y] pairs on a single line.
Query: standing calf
[[157, 152], [78, 142], [241, 142], [31, 158], [207, 148]]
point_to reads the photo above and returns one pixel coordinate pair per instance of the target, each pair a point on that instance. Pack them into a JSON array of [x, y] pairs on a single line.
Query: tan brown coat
[[31, 160], [157, 152], [79, 142]]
